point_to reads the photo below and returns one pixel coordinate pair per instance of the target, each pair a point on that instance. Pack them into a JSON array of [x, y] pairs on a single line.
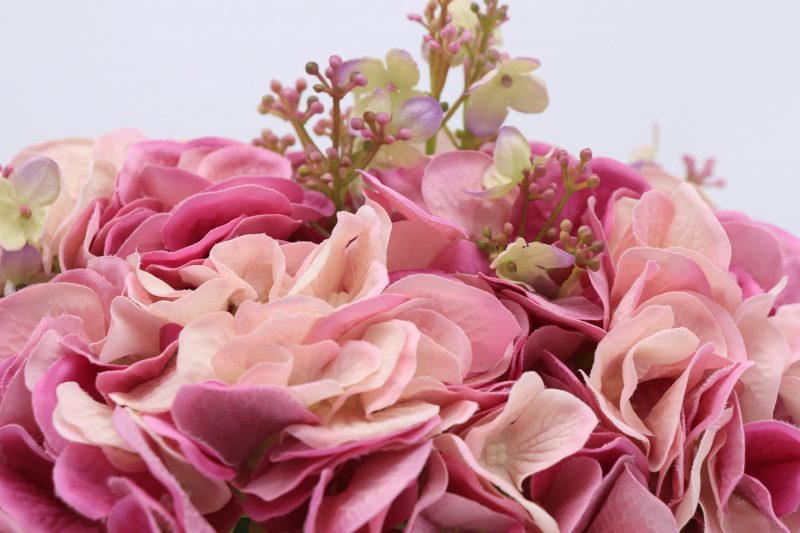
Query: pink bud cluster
[[372, 126], [704, 175]]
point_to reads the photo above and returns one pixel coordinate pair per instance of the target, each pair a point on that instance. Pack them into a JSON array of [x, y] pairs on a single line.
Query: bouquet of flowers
[[403, 316]]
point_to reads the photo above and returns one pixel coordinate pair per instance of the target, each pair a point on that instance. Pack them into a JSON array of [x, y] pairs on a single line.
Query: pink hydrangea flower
[[173, 201]]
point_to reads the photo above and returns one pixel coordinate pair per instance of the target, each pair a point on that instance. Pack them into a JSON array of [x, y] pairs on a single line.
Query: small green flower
[[24, 199]]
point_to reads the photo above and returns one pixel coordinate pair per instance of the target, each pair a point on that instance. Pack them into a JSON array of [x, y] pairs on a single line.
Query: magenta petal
[[26, 487], [169, 185], [208, 210], [185, 512], [80, 475], [772, 455], [380, 478], [212, 413], [631, 507], [243, 160]]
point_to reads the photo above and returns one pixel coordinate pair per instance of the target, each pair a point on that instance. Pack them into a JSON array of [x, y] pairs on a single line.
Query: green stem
[[363, 164], [554, 215], [454, 108], [570, 282], [523, 217]]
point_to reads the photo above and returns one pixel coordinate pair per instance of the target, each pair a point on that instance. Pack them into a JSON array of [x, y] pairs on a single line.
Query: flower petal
[[512, 153], [420, 114], [37, 182], [529, 95], [486, 110], [402, 69]]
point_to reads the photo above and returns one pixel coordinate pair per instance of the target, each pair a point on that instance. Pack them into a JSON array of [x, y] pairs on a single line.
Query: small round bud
[[414, 17], [316, 108], [487, 232], [501, 239], [300, 85], [389, 139], [25, 211], [315, 157], [312, 69], [404, 134], [548, 195], [593, 181], [454, 48], [331, 152], [275, 85], [303, 170], [566, 225], [539, 171], [345, 161], [593, 264], [327, 177], [318, 88], [288, 140], [369, 117], [508, 228], [335, 61], [357, 123], [586, 155], [329, 73], [597, 247], [383, 118], [359, 80], [550, 234]]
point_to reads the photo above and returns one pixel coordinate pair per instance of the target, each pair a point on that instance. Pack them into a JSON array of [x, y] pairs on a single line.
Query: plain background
[[721, 78]]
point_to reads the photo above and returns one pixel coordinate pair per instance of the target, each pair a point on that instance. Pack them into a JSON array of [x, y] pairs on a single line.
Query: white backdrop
[[721, 77]]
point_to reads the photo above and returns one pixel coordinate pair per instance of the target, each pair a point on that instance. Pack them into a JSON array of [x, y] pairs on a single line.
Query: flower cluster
[[385, 322]]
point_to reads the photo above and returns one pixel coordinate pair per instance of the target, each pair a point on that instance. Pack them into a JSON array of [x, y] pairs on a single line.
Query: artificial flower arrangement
[[389, 322]]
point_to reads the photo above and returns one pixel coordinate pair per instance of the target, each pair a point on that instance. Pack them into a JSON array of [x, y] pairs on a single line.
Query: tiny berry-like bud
[[533, 189], [548, 195], [331, 152], [290, 93], [383, 118], [454, 48], [288, 140], [369, 117], [335, 61], [345, 161], [434, 46], [593, 181], [315, 157], [550, 234], [357, 123], [303, 170], [329, 72], [359, 80], [300, 85], [404, 134], [566, 225], [25, 211], [539, 171], [414, 17], [316, 108], [7, 170], [597, 247], [367, 133], [585, 233], [312, 69], [449, 31], [389, 139], [508, 228], [275, 85], [327, 177], [318, 88], [593, 264], [487, 232], [586, 155], [501, 239]]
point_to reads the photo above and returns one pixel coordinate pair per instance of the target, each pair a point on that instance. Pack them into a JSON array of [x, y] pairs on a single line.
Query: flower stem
[[554, 215]]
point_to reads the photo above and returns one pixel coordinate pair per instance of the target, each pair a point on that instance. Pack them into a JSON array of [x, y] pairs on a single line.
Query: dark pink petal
[[243, 160], [379, 479], [26, 487], [631, 507], [214, 413], [196, 216], [772, 456]]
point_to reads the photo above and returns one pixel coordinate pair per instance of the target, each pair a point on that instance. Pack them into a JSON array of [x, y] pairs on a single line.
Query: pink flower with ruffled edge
[[173, 201]]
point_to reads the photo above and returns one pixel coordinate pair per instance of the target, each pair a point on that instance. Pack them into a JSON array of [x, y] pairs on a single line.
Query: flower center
[[506, 81], [25, 211], [496, 454]]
